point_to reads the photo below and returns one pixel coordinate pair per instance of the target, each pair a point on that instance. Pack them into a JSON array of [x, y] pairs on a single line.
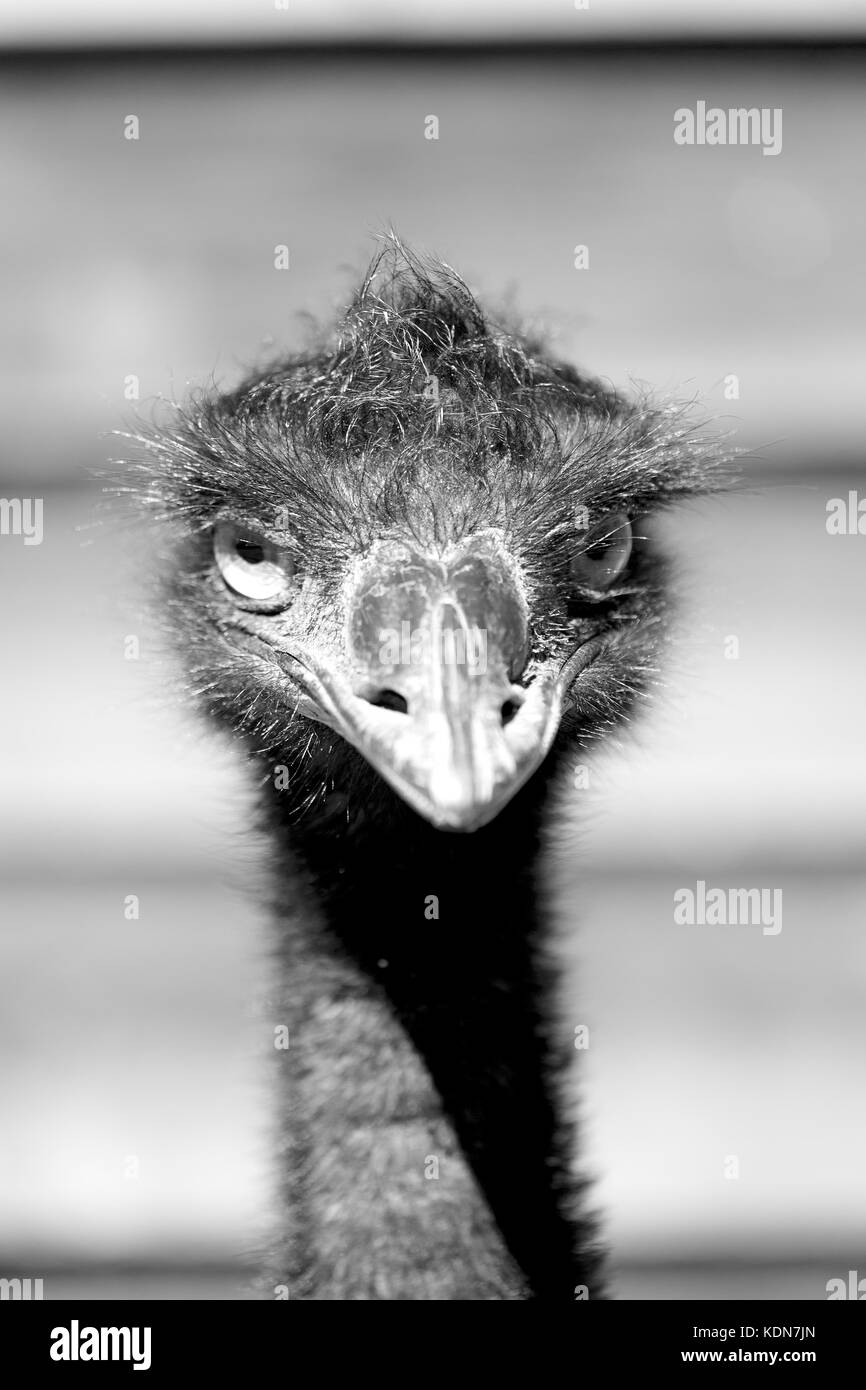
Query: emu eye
[[253, 567], [603, 553]]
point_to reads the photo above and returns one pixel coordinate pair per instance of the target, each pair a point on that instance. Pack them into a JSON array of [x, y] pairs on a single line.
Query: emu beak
[[431, 700]]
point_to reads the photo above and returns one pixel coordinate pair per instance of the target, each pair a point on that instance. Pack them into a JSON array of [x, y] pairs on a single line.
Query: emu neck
[[430, 946]]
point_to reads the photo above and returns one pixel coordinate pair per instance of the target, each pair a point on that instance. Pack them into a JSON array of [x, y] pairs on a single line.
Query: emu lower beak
[[431, 702]]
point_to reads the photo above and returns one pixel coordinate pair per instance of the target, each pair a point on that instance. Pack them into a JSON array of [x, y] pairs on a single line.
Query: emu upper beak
[[430, 698]]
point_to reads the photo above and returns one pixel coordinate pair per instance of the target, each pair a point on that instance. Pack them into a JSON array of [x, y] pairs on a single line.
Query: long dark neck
[[429, 945]]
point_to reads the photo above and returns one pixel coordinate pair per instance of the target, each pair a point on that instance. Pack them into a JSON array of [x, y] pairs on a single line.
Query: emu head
[[418, 552]]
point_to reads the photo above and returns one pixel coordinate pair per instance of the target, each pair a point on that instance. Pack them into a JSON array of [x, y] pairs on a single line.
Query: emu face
[[420, 547], [421, 658]]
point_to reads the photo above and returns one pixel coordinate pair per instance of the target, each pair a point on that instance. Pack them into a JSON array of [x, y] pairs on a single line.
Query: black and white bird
[[414, 575]]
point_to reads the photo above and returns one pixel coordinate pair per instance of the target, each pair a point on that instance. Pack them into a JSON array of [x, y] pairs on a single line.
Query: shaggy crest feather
[[352, 434]]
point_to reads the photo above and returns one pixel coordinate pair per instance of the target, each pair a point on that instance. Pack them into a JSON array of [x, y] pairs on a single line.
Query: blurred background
[[134, 1109]]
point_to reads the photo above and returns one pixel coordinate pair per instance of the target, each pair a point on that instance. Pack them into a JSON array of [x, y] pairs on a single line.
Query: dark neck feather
[[473, 991]]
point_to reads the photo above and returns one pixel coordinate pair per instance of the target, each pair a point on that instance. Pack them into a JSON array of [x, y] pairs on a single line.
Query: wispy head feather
[[418, 410]]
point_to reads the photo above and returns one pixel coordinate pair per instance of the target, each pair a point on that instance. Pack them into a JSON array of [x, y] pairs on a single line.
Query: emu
[[426, 473]]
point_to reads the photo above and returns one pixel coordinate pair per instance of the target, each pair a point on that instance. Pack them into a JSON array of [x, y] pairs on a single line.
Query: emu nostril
[[508, 711], [389, 699]]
